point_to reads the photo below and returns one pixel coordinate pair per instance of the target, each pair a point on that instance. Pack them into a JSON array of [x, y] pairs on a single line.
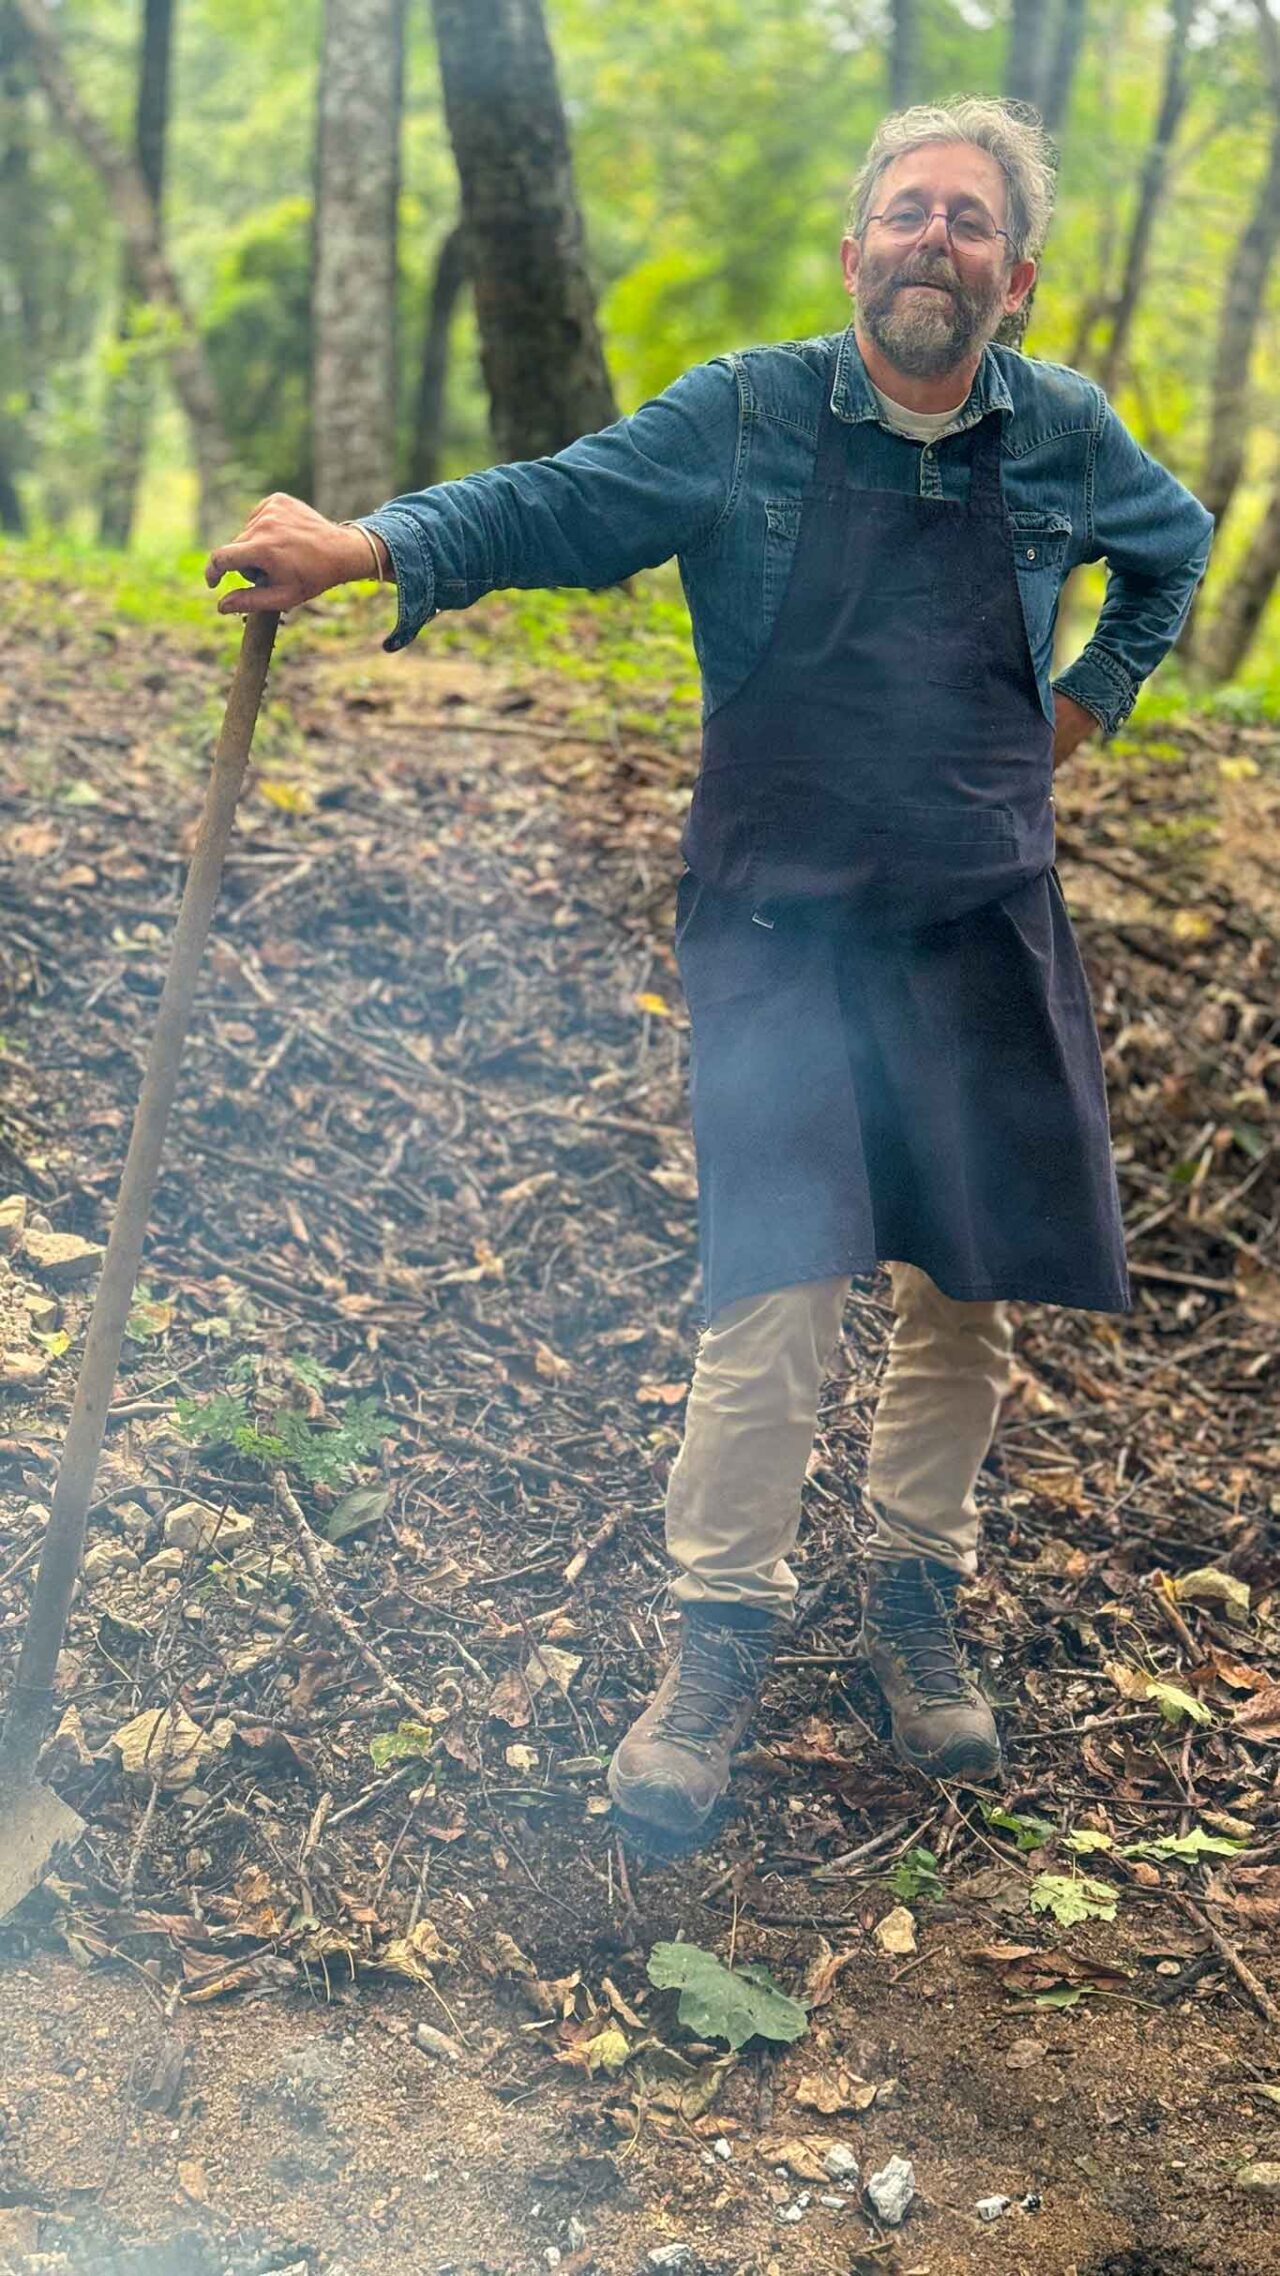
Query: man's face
[[931, 304]]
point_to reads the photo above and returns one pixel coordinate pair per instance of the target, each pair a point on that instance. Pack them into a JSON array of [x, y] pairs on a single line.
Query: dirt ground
[[431, 1152]]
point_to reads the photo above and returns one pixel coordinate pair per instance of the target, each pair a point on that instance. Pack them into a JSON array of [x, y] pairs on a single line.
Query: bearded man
[[894, 1054]]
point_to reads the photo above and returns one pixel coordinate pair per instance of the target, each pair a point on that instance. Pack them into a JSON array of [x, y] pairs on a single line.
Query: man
[[894, 1050]]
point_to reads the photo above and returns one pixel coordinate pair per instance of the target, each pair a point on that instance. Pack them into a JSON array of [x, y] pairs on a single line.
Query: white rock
[[13, 1221], [673, 2257], [103, 1557], [165, 1562], [722, 2147], [840, 2164], [194, 1525], [892, 2189], [990, 2208], [896, 1933], [62, 1258]]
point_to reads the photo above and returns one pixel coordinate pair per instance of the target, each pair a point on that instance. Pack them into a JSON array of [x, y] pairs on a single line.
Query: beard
[[926, 334]]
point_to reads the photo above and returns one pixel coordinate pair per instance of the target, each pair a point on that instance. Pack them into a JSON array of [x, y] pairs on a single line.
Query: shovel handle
[[32, 1695]]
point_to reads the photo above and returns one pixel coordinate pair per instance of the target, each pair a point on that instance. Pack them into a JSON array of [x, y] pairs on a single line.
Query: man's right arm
[[647, 487]]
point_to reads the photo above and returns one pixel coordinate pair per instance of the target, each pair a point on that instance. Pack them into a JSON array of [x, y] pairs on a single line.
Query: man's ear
[[1021, 278], [850, 257]]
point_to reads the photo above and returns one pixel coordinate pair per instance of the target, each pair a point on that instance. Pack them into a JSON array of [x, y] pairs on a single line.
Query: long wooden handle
[[32, 1696]]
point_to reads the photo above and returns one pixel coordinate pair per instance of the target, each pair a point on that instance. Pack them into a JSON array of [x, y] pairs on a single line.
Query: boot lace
[[912, 1611], [720, 1669]]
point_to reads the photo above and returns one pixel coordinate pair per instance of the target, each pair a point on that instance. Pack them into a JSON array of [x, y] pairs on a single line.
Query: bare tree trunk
[[136, 214], [1024, 53], [128, 407], [1060, 66], [1238, 321], [353, 368], [1231, 633], [1151, 188], [428, 425], [12, 517], [540, 345], [904, 53]]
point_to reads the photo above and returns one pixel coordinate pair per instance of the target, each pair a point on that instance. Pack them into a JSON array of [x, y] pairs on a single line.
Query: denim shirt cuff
[[414, 568], [1099, 682]]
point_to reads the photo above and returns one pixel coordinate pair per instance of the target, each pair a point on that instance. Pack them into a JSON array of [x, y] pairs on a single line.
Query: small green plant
[[916, 1876], [324, 1454], [736, 2004]]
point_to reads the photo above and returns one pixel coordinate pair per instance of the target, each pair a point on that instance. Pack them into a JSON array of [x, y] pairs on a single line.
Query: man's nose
[[939, 215]]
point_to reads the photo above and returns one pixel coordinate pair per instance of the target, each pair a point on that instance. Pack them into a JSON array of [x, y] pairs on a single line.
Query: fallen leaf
[[830, 2092], [1259, 1717], [1206, 1585]]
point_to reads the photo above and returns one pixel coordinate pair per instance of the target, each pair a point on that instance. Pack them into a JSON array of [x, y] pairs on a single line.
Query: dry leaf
[[896, 1933], [820, 1981], [802, 2154], [1259, 1717], [829, 2092]]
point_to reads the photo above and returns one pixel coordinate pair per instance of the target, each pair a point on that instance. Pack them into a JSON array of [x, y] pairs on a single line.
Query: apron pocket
[[723, 953]]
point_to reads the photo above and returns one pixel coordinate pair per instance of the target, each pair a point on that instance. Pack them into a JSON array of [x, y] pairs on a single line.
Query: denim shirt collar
[[853, 398]]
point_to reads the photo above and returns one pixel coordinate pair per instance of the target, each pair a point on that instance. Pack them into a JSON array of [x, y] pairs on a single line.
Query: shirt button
[[1031, 553]]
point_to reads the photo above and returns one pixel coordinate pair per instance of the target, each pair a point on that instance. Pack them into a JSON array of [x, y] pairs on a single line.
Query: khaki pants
[[733, 1500]]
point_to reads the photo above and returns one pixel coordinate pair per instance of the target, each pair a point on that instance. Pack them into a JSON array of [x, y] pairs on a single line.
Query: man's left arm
[[1154, 537]]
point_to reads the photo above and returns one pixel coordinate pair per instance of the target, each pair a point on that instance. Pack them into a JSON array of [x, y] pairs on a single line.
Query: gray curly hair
[[1011, 133]]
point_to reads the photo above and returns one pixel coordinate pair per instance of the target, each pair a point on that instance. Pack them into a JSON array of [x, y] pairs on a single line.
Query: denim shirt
[[712, 470]]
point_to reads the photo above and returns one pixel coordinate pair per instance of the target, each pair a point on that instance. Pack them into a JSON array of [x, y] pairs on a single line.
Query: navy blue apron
[[894, 1052]]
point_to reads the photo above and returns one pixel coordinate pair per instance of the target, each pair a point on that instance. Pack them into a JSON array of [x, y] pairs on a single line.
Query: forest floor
[[341, 1980]]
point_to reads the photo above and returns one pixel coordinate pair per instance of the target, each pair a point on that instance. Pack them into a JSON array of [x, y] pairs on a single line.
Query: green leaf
[[725, 2003], [1188, 1846], [1085, 1841], [406, 1739], [1174, 1703], [1072, 1897], [916, 1875], [1028, 1832], [364, 1505], [1066, 1995]]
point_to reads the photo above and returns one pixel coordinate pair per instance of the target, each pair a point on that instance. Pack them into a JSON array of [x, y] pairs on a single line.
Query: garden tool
[[34, 1821]]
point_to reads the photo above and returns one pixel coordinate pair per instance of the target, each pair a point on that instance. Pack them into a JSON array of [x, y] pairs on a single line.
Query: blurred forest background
[[355, 246]]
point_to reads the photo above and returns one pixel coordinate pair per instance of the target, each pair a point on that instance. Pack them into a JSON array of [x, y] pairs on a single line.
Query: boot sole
[[956, 1762]]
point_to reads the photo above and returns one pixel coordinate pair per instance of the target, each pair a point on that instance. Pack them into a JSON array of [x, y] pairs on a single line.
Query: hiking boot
[[942, 1725], [673, 1765]]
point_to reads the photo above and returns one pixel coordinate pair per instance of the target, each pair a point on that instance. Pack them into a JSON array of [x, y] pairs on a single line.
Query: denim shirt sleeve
[[1155, 538], [647, 487]]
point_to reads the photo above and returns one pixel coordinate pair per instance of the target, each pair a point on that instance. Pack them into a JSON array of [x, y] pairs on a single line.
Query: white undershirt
[[921, 426]]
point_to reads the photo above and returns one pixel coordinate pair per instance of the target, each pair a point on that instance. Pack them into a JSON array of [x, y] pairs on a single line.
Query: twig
[[342, 1621], [600, 1539], [1240, 1968]]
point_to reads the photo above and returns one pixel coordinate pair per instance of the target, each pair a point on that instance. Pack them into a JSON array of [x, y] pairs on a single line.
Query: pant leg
[[949, 1366], [733, 1498]]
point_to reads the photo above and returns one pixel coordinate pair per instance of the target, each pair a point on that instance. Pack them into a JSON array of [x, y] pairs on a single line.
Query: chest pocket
[[1040, 542], [782, 528]]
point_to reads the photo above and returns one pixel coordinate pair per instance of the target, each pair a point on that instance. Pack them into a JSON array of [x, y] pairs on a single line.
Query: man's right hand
[[296, 553]]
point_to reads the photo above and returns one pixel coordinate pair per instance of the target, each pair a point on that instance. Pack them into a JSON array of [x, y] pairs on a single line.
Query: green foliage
[[407, 1739], [1029, 1832], [735, 2004], [256, 323], [915, 1876], [1072, 1897], [291, 1441]]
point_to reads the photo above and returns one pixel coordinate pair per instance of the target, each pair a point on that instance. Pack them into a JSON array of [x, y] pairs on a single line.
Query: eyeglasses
[[970, 228]]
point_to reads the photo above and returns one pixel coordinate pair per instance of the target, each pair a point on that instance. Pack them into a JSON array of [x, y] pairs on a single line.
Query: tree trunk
[[136, 214], [904, 53], [1151, 188], [540, 345], [1231, 634], [128, 407], [1024, 53], [1238, 321], [1060, 66], [12, 517], [353, 308], [428, 423]]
